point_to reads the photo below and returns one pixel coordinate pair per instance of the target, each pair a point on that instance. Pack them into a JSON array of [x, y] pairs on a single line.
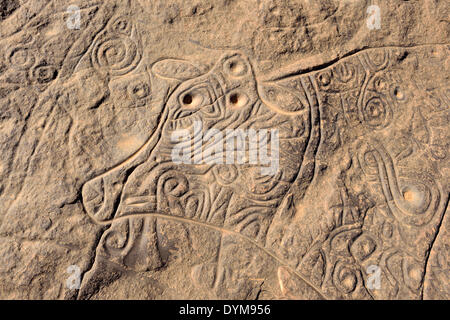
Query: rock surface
[[351, 96]]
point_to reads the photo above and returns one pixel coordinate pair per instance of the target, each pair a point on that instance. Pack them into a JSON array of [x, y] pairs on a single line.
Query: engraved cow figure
[[235, 197]]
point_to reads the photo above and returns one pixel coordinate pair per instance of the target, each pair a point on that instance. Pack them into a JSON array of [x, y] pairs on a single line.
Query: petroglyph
[[161, 162]]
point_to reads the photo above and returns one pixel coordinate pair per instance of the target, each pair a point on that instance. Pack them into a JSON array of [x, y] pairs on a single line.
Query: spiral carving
[[116, 55]]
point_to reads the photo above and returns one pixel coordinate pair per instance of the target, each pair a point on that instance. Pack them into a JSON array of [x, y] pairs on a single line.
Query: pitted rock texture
[[93, 204]]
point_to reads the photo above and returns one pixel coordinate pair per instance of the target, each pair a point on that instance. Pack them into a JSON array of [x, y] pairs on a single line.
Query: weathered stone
[[101, 199]]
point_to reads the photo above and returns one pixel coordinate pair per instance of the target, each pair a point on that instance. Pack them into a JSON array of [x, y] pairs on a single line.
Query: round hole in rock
[[237, 99], [187, 99], [234, 98]]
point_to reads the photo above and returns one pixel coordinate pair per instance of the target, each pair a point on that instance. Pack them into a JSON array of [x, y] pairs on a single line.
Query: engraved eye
[[237, 99], [191, 100], [195, 98], [236, 67]]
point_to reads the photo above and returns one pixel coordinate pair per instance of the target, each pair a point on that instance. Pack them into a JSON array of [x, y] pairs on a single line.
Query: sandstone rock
[[224, 149]]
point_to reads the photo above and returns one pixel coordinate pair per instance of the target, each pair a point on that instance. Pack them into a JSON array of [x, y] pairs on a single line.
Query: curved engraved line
[[312, 145], [162, 61], [327, 60], [314, 138], [73, 59], [342, 229], [259, 117], [125, 66], [278, 110], [266, 203], [362, 97], [384, 265], [220, 180], [42, 100], [372, 65], [362, 94], [129, 234], [218, 203], [271, 183], [220, 229], [254, 212], [345, 71], [389, 184], [196, 112], [203, 82], [143, 152]]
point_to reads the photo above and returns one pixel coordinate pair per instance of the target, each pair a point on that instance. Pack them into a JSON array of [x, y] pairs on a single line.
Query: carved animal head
[[226, 97]]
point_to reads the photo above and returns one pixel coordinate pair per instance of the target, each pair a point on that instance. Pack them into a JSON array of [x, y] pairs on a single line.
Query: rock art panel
[[159, 163]]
